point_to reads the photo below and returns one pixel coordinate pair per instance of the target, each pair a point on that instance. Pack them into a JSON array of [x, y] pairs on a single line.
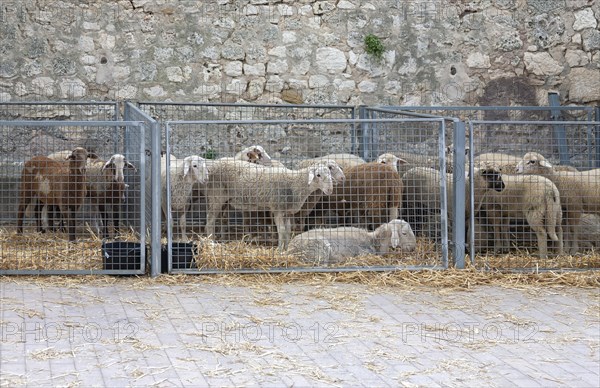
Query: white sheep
[[250, 187], [254, 219], [532, 198], [184, 174], [579, 192], [329, 246], [345, 161], [508, 163], [338, 178]]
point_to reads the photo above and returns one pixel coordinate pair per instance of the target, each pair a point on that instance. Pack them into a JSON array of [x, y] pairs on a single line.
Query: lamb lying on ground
[[329, 246]]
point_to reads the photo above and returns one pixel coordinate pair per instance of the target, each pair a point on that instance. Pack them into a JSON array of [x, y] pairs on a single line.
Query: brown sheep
[[371, 195], [52, 182]]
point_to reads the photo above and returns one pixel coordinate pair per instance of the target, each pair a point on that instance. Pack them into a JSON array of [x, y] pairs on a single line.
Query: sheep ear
[[395, 236], [186, 168], [129, 165], [402, 161], [311, 175], [107, 164], [545, 163], [92, 155]]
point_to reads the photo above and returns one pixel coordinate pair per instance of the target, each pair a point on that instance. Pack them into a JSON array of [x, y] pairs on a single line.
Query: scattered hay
[[238, 255], [532, 261], [450, 279], [52, 251]]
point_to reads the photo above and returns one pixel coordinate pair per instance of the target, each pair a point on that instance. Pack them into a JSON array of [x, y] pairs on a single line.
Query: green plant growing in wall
[[374, 46], [210, 154]]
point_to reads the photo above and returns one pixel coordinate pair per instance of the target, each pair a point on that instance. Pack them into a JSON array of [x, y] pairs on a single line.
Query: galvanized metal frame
[[116, 124], [355, 122], [131, 112]]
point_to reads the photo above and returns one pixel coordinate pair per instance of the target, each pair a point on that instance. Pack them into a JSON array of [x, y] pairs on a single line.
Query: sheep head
[[398, 233], [336, 171], [319, 177], [534, 163], [392, 160], [194, 169], [255, 154], [488, 176], [78, 159], [114, 167]]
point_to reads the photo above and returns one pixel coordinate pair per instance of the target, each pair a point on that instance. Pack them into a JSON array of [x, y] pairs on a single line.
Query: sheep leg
[[182, 225], [40, 210], [281, 230], [103, 220], [501, 227], [51, 218], [116, 215], [561, 249], [21, 212], [541, 234], [572, 222], [214, 207], [65, 211]]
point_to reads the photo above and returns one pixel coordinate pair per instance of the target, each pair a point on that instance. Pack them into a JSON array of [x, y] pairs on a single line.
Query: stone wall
[[454, 52]]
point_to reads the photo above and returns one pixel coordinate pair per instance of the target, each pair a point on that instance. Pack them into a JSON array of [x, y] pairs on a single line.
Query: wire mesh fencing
[[293, 212], [548, 214], [65, 204], [167, 182]]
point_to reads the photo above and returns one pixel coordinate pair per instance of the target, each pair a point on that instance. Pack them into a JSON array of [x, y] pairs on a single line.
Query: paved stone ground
[[137, 333]]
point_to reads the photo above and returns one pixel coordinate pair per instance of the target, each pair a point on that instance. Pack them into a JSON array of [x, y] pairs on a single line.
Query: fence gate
[[548, 216], [44, 186], [246, 238], [151, 159]]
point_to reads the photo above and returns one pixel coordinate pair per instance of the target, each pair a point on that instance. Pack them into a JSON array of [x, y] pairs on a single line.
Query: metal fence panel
[[246, 237], [423, 150], [151, 207], [548, 215], [94, 249]]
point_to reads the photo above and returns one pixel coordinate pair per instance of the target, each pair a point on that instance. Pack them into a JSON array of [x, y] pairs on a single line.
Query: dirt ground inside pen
[[419, 328]]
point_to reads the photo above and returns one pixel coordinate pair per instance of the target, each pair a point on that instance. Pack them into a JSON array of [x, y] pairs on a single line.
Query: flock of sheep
[[558, 203], [332, 207], [58, 184]]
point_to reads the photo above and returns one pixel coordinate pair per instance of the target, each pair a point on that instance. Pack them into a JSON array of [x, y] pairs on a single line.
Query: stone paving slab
[[200, 334]]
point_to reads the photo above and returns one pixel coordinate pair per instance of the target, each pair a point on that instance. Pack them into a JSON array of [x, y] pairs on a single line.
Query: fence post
[[364, 132], [459, 198], [560, 135], [597, 118], [155, 230]]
